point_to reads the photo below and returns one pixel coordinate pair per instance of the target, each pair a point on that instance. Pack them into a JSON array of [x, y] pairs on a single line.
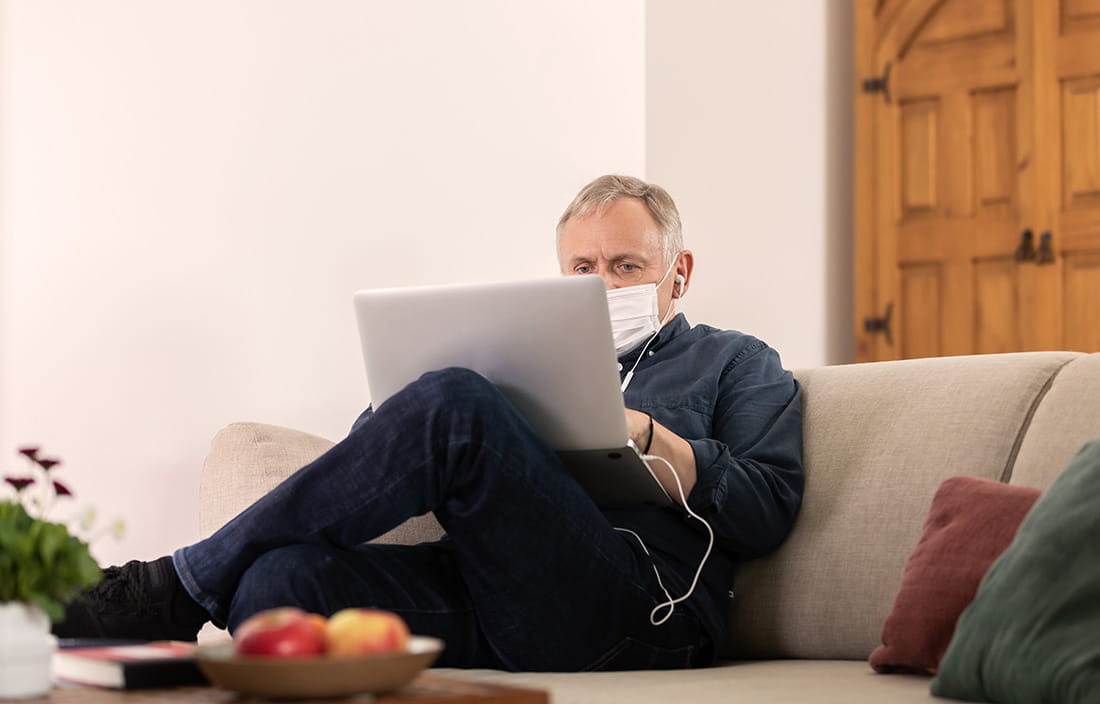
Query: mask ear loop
[[664, 320], [630, 374]]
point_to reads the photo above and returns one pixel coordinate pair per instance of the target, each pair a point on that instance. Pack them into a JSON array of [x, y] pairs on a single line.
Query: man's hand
[[667, 444], [637, 426]]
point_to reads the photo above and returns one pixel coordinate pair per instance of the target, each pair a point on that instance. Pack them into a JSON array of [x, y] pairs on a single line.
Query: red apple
[[365, 631], [286, 632]]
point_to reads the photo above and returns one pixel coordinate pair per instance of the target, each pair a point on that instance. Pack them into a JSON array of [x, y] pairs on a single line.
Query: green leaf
[[41, 563]]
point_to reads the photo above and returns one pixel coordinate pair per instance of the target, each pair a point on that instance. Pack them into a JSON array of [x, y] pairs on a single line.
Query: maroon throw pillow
[[971, 522]]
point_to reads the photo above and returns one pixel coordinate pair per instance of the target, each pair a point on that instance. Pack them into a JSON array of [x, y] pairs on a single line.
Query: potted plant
[[43, 566]]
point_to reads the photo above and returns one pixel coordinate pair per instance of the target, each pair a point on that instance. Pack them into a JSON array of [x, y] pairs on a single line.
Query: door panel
[[995, 185], [1082, 301], [995, 311], [919, 155], [1081, 153], [967, 19], [921, 328], [1078, 11]]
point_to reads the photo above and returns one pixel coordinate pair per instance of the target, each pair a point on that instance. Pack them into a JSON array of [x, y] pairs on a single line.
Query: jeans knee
[[454, 388], [285, 576], [274, 571]]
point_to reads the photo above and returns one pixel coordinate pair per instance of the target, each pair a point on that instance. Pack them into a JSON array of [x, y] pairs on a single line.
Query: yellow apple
[[358, 631]]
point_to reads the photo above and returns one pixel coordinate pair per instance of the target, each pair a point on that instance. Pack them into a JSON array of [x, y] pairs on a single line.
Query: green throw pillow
[[1032, 633]]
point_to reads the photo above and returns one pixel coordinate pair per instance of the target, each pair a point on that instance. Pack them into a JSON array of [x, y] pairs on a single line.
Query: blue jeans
[[530, 576]]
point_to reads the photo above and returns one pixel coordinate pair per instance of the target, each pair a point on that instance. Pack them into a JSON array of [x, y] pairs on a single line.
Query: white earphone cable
[[670, 604], [668, 317]]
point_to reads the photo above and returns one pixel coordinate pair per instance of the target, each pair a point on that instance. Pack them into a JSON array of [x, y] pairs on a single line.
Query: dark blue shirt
[[729, 396]]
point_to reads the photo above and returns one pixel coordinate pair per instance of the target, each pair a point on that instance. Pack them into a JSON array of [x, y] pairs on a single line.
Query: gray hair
[[601, 193]]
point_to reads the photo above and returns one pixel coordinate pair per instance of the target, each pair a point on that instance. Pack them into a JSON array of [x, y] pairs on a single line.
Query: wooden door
[[1069, 73], [977, 177]]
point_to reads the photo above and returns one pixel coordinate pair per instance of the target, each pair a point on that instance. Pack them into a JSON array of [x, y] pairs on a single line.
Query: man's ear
[[684, 267]]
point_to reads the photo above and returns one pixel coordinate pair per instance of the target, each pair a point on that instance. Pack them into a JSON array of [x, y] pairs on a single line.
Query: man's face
[[622, 245]]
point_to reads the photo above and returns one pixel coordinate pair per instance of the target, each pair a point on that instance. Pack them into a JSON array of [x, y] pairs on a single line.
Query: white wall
[[749, 121], [193, 190]]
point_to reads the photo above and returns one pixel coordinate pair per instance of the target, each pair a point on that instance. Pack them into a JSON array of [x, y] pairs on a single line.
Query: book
[[127, 665]]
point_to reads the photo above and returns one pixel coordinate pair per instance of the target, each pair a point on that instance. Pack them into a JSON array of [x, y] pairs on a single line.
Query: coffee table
[[428, 688]]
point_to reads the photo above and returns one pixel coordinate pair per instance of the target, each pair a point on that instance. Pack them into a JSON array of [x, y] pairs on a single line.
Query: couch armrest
[[247, 460]]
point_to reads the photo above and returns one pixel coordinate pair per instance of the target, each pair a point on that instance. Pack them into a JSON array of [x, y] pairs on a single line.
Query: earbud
[[680, 279]]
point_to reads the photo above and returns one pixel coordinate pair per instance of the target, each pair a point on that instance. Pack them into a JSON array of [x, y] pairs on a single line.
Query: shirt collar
[[675, 327]]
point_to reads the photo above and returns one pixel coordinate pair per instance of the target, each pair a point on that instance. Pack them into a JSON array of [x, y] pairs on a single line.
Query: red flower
[[20, 483], [47, 464], [30, 452], [60, 489]]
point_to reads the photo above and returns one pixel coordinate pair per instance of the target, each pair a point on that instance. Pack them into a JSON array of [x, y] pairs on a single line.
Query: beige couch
[[879, 439]]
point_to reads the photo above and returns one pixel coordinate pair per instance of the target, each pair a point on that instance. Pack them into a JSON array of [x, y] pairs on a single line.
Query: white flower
[[87, 519]]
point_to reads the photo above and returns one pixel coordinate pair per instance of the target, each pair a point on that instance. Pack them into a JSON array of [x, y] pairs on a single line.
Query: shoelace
[[125, 585]]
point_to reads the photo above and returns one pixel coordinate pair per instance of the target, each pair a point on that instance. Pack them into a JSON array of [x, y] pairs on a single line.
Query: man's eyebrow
[[618, 258], [630, 257]]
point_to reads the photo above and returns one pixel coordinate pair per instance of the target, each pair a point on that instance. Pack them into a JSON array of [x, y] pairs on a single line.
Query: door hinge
[[879, 84], [875, 325]]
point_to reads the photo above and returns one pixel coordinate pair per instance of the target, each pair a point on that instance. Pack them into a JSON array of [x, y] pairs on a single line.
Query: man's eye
[[583, 269]]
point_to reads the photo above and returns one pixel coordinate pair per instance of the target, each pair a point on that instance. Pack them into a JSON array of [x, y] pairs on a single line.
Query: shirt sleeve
[[365, 416], [749, 474]]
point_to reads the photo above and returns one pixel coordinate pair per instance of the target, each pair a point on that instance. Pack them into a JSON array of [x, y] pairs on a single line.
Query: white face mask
[[634, 314]]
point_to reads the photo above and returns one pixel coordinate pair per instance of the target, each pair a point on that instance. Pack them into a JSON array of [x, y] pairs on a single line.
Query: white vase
[[26, 647]]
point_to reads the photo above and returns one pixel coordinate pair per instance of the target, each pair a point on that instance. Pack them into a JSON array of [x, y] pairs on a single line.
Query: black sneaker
[[140, 600]]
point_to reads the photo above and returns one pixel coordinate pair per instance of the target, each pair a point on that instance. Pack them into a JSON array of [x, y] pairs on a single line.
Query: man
[[531, 574]]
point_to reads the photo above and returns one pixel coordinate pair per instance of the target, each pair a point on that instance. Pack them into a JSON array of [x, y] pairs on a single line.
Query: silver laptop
[[545, 343]]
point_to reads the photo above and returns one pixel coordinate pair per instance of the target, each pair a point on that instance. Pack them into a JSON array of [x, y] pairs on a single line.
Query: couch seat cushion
[[761, 682]]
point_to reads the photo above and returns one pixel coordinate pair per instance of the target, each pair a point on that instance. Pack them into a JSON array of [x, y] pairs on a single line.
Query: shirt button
[[620, 365], [651, 353]]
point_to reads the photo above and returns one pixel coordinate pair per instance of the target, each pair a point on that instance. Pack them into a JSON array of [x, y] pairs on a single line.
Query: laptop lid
[[546, 344]]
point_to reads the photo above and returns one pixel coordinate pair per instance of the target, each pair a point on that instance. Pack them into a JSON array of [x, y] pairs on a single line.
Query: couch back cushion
[[880, 438], [1068, 417], [247, 460]]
